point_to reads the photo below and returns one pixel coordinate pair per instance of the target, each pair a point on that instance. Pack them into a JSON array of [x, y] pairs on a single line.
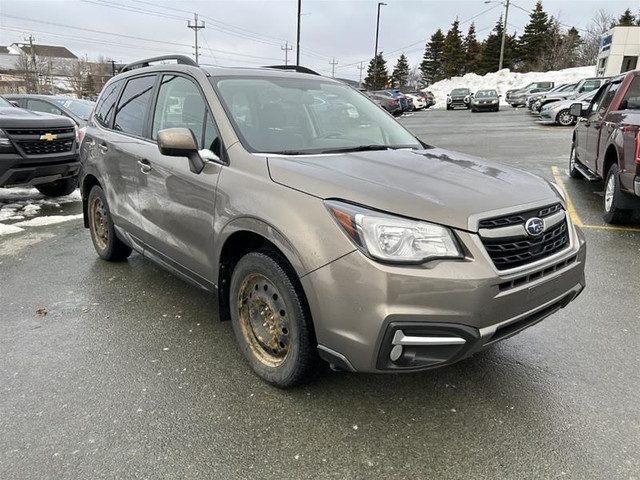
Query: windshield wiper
[[359, 148]]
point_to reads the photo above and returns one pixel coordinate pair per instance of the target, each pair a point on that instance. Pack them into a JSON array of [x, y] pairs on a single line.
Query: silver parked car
[[325, 228], [557, 113]]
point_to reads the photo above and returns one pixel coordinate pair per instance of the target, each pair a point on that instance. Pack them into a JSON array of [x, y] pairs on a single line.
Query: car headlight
[[494, 101], [4, 140], [449, 100], [466, 99], [394, 239]]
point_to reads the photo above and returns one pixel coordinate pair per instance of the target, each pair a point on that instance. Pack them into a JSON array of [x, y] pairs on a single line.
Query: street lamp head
[[381, 3]]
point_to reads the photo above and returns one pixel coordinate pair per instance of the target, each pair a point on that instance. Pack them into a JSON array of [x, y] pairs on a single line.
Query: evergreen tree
[[532, 42], [400, 74], [490, 57], [431, 66], [453, 53], [626, 19], [377, 75], [472, 51]]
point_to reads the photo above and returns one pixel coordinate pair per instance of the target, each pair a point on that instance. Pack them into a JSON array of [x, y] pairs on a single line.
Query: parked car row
[[486, 100], [396, 102]]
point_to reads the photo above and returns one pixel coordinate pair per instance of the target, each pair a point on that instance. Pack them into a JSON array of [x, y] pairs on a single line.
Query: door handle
[[103, 147], [145, 166]]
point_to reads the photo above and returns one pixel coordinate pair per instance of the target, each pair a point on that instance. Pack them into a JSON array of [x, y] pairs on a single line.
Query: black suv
[[38, 149]]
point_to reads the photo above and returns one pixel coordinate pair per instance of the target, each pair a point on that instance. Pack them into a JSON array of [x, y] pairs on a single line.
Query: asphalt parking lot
[[123, 371]]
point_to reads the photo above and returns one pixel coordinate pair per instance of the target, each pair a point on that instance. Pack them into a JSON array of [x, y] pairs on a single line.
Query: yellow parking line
[[574, 214], [572, 211]]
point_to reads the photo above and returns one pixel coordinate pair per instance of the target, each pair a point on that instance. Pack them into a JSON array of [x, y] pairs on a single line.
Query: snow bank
[[504, 80], [48, 220]]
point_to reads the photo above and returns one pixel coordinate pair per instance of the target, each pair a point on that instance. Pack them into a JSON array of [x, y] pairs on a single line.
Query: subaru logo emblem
[[534, 227]]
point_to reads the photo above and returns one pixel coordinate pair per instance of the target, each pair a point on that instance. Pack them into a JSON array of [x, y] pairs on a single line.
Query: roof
[[52, 51]]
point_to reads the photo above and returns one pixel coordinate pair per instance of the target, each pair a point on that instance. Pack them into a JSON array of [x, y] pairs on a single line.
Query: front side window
[[590, 85], [107, 103], [181, 104], [44, 107], [302, 115], [606, 98], [133, 105]]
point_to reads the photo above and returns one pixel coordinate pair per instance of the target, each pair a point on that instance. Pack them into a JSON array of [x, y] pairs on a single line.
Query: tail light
[[638, 147], [80, 134]]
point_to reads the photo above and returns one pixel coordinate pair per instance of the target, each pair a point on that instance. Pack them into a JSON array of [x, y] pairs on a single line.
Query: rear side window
[[631, 99], [590, 85], [133, 105], [106, 103]]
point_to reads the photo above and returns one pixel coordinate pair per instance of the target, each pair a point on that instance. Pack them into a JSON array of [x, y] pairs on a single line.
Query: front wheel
[[565, 118], [271, 320], [613, 198], [103, 235], [573, 171], [59, 188]]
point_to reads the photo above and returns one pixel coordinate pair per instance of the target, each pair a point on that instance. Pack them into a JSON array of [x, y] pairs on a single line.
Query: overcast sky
[[252, 32]]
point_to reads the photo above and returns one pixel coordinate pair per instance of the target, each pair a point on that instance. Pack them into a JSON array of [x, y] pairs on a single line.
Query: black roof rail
[[182, 59], [295, 68]]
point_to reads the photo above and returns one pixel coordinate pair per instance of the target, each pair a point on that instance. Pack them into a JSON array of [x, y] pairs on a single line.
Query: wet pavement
[[120, 370]]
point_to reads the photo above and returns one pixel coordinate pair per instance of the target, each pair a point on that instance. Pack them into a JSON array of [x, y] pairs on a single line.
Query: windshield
[[80, 108], [568, 88], [4, 103], [460, 91], [303, 116], [486, 93]]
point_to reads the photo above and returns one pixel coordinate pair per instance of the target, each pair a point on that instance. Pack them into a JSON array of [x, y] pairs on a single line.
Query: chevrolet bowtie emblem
[[48, 137]]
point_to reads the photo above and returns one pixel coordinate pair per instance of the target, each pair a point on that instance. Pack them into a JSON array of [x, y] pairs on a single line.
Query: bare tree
[[590, 46], [413, 80], [560, 47], [32, 74], [76, 75]]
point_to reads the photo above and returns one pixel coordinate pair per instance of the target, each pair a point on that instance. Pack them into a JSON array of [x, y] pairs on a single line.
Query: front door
[[177, 205]]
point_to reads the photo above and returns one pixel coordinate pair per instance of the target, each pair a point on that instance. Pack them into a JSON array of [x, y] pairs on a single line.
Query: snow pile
[[504, 80]]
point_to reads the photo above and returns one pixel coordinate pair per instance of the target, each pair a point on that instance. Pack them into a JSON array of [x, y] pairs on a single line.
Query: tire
[[58, 188], [448, 107], [107, 244], [280, 344], [573, 171], [497, 109], [565, 118], [613, 197]]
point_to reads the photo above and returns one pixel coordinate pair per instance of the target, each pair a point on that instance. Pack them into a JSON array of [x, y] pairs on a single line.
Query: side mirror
[[181, 142], [576, 110]]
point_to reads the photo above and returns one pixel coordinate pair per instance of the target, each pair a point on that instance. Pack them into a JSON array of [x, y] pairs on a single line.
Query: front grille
[[43, 147], [31, 141], [38, 131], [515, 251]]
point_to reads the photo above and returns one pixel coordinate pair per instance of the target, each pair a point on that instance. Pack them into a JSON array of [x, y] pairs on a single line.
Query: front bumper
[[547, 117], [485, 106], [34, 170], [363, 310]]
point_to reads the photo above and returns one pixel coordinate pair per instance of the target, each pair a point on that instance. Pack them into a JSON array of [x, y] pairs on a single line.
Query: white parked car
[[418, 102]]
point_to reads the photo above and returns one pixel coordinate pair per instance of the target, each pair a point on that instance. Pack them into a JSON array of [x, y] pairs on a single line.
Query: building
[[619, 51]]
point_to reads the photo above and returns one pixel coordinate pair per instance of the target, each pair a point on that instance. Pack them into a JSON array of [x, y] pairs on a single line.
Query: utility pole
[[361, 68], [298, 35], [375, 54], [504, 33], [113, 67], [195, 27], [333, 64], [34, 63], [286, 49]]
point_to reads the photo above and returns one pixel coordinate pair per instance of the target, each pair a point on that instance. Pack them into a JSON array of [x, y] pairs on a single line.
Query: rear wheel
[[565, 118], [271, 321], [103, 235], [58, 188], [613, 198]]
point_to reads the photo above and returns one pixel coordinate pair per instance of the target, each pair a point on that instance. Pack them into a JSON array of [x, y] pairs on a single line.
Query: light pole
[[375, 53], [504, 30], [298, 34]]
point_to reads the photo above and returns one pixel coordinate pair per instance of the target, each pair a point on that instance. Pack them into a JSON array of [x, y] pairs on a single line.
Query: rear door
[[123, 146], [176, 204], [597, 128]]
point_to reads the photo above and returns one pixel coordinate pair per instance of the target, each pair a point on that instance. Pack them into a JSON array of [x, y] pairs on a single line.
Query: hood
[[13, 117], [435, 185], [562, 95]]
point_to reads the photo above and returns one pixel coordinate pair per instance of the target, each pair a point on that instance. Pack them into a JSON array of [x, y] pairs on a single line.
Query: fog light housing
[[396, 353]]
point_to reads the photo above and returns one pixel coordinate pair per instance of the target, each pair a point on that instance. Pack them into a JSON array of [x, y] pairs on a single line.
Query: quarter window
[[106, 103], [631, 99], [133, 105], [181, 105]]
